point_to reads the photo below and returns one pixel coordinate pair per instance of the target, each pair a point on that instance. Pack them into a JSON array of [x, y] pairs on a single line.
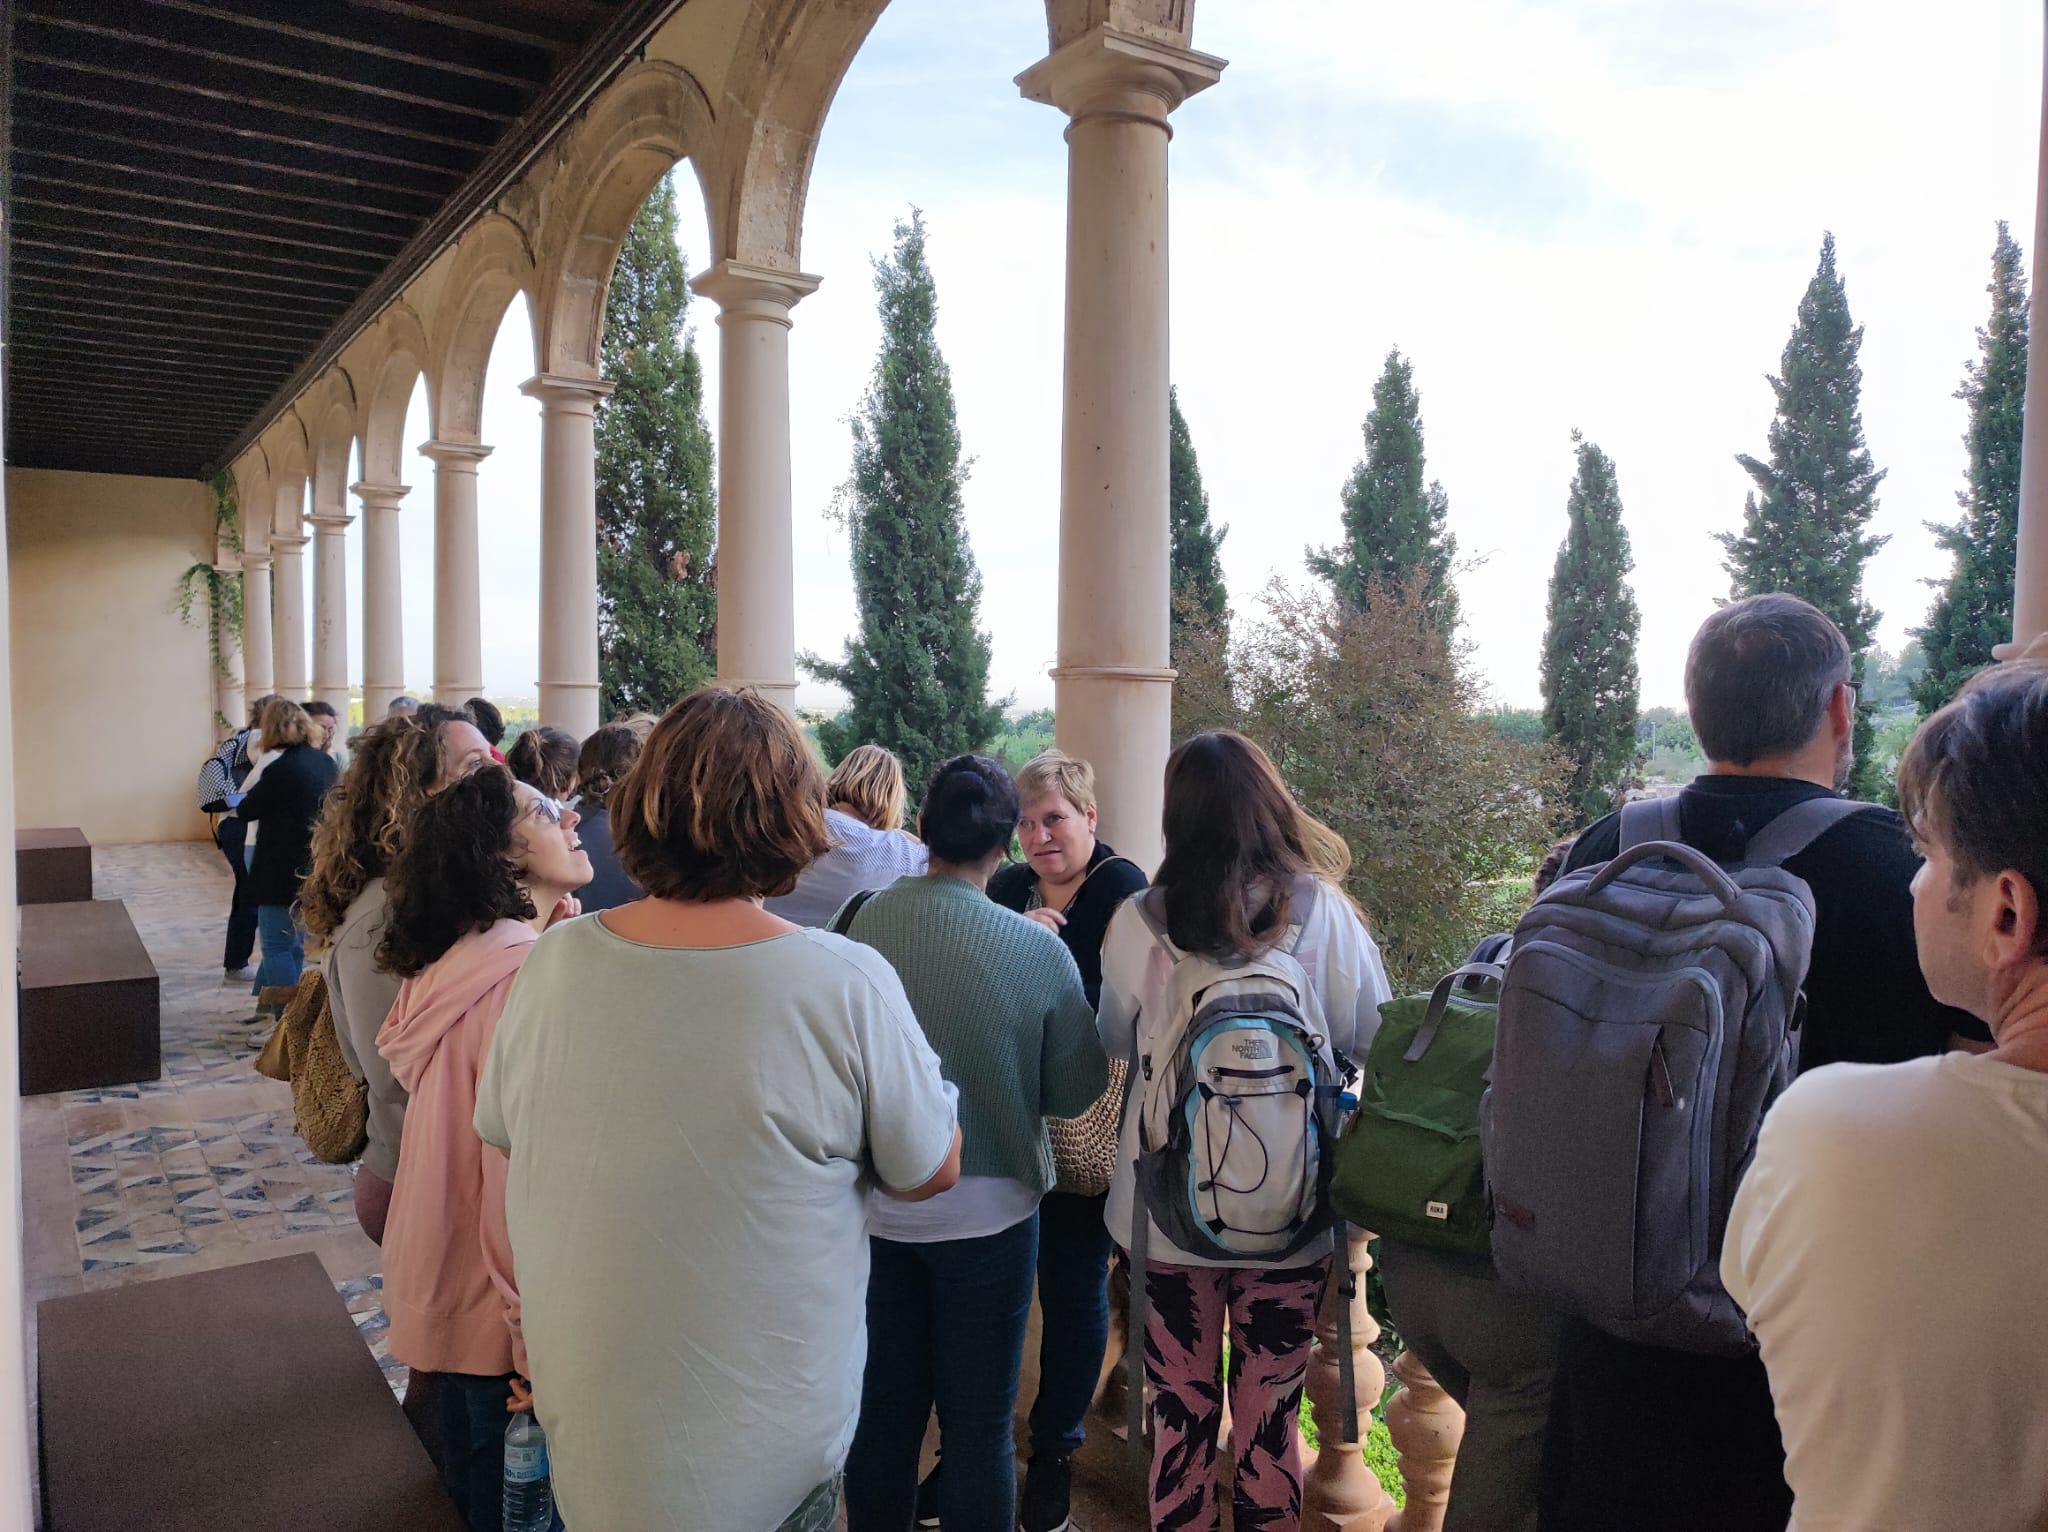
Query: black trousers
[[241, 942]]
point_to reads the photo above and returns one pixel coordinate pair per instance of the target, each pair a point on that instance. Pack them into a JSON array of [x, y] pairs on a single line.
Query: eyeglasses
[[547, 809]]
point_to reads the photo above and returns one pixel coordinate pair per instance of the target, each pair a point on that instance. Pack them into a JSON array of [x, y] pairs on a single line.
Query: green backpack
[[1409, 1168]]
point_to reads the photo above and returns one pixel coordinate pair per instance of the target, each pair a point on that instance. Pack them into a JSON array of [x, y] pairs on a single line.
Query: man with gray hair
[[1643, 1438], [1887, 1243]]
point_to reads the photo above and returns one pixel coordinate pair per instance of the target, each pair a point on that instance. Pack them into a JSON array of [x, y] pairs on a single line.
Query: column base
[[455, 693], [781, 693], [571, 706]]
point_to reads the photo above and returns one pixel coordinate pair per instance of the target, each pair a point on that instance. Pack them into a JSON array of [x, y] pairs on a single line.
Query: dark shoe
[[1048, 1486], [927, 1514]]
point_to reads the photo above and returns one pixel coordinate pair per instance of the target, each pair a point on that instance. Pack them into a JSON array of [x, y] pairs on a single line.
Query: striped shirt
[[861, 858]]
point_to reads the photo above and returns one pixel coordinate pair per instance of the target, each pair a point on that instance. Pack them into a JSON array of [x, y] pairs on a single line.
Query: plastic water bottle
[[529, 1497]]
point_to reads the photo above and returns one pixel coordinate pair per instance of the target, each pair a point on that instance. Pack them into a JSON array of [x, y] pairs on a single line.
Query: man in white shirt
[[862, 858], [1889, 1242]]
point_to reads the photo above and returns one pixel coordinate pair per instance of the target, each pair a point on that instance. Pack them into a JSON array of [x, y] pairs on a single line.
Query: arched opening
[[508, 519]]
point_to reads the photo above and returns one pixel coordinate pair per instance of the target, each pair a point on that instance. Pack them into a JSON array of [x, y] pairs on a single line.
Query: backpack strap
[[1491, 974], [842, 923], [1649, 819], [1798, 828]]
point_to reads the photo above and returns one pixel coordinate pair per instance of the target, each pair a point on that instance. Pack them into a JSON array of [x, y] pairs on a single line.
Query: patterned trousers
[[1272, 1317]]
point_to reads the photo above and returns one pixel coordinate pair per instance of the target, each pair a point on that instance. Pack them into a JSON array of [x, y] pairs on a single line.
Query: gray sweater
[[1000, 1001], [360, 995]]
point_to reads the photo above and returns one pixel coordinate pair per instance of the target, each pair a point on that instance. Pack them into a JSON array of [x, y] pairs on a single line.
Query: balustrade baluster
[[1426, 1426], [1340, 1494]]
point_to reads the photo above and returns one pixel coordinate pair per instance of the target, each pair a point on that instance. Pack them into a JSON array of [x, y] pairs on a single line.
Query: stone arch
[[329, 408], [284, 445], [392, 357], [490, 266], [647, 121], [252, 498], [790, 58]]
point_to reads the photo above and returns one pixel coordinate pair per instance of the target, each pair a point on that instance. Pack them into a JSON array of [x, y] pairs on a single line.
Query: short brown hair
[[1975, 778], [870, 782], [285, 723], [725, 802], [1759, 677], [607, 756], [1054, 771]]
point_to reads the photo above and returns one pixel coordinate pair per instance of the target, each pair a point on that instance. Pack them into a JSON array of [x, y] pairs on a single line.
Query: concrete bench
[[240, 1398], [52, 866], [89, 998]]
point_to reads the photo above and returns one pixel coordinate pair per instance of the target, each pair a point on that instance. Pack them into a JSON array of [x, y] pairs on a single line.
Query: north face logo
[[1252, 1049]]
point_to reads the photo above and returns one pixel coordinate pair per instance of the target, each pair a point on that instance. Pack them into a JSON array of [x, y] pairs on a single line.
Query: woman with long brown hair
[[393, 769], [1246, 871]]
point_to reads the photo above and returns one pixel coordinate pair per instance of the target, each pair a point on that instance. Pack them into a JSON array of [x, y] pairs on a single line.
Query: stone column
[[756, 532], [1112, 685], [568, 549], [2030, 576], [330, 612], [458, 585], [258, 677], [230, 699], [288, 614], [383, 606]]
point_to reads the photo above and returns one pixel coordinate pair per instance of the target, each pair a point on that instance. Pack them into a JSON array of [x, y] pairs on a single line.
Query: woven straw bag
[[1084, 1147], [332, 1105]]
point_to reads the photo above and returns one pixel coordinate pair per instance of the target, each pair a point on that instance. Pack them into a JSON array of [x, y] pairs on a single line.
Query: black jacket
[[1087, 916], [284, 803]]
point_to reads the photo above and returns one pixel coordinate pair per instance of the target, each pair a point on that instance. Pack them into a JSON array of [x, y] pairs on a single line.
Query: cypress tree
[[657, 600], [917, 672], [1590, 686], [1394, 526], [1804, 526], [1199, 594], [1974, 610]]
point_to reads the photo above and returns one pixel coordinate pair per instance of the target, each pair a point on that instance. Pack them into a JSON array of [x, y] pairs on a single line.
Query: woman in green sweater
[[949, 1288]]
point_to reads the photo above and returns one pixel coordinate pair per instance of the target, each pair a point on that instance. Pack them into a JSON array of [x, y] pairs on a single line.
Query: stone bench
[[52, 866], [89, 998], [240, 1398]]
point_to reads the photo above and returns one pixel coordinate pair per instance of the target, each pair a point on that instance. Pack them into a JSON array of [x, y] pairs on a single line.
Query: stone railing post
[[1340, 1494], [1426, 1427]]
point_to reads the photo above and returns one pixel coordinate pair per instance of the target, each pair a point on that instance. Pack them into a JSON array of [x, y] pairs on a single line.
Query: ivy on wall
[[218, 590]]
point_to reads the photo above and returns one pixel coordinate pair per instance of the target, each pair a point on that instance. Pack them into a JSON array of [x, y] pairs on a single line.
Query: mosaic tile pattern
[[163, 1192]]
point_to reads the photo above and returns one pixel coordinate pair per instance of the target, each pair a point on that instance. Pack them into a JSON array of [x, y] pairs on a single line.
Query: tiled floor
[[201, 1167]]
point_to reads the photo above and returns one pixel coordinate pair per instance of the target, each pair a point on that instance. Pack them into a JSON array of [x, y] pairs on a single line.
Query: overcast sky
[[1588, 213]]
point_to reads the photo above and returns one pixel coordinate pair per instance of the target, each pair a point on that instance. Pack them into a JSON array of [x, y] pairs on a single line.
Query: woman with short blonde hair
[[868, 784], [283, 799], [696, 1096]]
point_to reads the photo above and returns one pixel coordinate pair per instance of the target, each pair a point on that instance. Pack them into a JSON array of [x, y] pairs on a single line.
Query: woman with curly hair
[[394, 768], [488, 863]]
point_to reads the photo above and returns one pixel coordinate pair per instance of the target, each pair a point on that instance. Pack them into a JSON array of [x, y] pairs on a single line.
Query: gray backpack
[[1649, 1017]]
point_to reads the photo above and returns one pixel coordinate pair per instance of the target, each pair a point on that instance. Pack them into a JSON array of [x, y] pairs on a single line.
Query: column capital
[[380, 497], [329, 523], [455, 457], [561, 391], [288, 546], [756, 292], [1108, 72], [256, 561]]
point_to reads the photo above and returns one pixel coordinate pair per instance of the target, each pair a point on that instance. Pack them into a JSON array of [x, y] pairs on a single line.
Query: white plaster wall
[[15, 1515], [113, 694]]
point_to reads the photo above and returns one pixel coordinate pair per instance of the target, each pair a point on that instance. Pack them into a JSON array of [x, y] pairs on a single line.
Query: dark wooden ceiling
[[207, 198]]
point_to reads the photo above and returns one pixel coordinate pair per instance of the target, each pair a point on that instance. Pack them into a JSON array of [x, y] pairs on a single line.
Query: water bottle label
[[526, 1464]]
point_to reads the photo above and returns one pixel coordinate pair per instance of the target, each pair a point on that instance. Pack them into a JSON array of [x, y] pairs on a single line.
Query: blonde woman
[[284, 802], [870, 849]]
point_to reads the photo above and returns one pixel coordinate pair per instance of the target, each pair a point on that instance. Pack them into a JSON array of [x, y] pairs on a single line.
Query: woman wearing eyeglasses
[[489, 864]]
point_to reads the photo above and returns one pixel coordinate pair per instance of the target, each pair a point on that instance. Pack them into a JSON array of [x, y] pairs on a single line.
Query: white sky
[[1590, 213]]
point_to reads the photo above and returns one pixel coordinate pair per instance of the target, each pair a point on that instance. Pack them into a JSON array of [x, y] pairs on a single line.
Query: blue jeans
[[1073, 1298], [473, 1420], [946, 1328], [284, 947]]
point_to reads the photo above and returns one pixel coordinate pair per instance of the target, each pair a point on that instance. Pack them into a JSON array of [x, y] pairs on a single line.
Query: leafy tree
[[1893, 677], [917, 672], [657, 598], [1524, 725], [1974, 610], [1198, 589], [1393, 525], [1379, 728], [1805, 526], [1590, 686]]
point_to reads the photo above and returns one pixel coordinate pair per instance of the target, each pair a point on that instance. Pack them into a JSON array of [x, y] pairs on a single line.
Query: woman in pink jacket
[[490, 863]]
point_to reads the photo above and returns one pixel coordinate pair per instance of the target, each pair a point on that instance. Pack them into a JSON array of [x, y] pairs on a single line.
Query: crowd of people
[[729, 1117]]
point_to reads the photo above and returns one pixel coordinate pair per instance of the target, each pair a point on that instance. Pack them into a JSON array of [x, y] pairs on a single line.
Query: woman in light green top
[[697, 1097], [949, 1292]]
